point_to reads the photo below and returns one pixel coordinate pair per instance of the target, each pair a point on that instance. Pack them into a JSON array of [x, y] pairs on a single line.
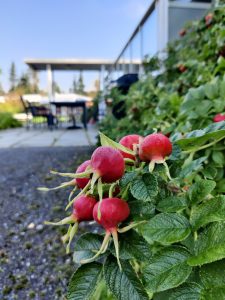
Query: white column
[[131, 59], [103, 78], [162, 10], [50, 82], [102, 105]]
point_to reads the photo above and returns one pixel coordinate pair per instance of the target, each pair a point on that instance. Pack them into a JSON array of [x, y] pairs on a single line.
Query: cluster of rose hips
[[107, 166]]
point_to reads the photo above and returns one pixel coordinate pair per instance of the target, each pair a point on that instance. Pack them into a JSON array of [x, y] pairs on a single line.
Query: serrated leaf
[[210, 245], [138, 248], [197, 138], [209, 172], [194, 166], [199, 190], [166, 228], [214, 294], [213, 275], [145, 187], [125, 284], [167, 269], [84, 281], [211, 211], [172, 204], [86, 246], [141, 210], [127, 178], [187, 291], [106, 141]]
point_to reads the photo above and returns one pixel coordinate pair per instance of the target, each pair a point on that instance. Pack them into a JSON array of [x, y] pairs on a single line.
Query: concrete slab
[[20, 137]]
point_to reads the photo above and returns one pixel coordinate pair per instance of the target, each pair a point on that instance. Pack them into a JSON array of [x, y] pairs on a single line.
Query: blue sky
[[64, 29]]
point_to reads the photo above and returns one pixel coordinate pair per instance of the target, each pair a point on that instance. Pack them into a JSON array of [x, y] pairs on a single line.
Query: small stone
[[31, 226], [39, 227]]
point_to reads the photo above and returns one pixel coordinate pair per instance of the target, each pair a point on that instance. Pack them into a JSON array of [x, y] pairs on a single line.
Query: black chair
[[38, 112]]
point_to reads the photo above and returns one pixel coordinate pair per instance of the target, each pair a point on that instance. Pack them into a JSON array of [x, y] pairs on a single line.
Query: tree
[[24, 83], [80, 85], [12, 76], [1, 90], [55, 87], [74, 86], [35, 80]]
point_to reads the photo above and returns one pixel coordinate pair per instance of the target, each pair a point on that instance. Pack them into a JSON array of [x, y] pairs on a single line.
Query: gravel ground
[[33, 263]]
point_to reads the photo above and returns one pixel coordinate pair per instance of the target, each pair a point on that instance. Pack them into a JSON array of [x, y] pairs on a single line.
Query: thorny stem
[[100, 251]]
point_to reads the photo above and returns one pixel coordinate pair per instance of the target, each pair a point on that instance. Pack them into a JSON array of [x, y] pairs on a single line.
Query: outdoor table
[[73, 104]]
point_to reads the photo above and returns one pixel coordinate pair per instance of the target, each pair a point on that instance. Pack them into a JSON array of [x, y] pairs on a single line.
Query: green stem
[[81, 193], [132, 225], [100, 193], [111, 189], [103, 246], [205, 146]]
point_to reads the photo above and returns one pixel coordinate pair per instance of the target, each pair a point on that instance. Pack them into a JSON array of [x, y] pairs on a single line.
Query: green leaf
[[194, 140], [167, 269], [141, 210], [166, 228], [127, 178], [125, 284], [214, 294], [218, 158], [86, 246], [144, 188], [106, 141], [213, 275], [132, 245], [172, 204], [187, 291], [194, 166], [84, 281], [210, 245], [199, 190], [209, 172], [211, 211]]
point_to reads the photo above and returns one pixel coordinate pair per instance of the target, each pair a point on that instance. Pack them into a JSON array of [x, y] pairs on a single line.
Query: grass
[[7, 121]]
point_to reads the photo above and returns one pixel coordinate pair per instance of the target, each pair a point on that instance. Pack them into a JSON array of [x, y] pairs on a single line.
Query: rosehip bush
[[161, 237]]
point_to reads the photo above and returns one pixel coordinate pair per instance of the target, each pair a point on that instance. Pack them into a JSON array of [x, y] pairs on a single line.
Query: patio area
[[21, 137]]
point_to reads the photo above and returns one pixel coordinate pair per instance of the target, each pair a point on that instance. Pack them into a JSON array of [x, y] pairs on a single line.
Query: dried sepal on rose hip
[[155, 148], [82, 211], [77, 183], [113, 212]]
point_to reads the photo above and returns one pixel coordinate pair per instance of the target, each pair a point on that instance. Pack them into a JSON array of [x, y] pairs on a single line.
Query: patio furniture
[[38, 112], [72, 105]]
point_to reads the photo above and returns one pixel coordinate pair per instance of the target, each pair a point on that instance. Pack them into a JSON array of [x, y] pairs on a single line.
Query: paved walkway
[[20, 137]]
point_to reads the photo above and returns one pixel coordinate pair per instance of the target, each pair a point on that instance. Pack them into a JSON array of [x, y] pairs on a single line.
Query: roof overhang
[[74, 64]]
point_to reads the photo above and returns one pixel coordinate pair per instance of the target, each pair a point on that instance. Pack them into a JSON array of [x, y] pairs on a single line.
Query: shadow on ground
[[33, 263]]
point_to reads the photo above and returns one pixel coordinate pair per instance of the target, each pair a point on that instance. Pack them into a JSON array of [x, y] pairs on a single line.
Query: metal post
[[131, 59], [50, 82], [141, 71], [162, 23]]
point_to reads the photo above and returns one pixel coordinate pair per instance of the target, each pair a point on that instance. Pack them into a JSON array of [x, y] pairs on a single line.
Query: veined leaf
[[167, 269], [144, 188], [86, 246], [197, 138], [187, 291], [211, 211], [138, 248], [194, 166], [199, 190], [84, 281], [125, 284], [172, 204], [166, 228], [213, 275], [210, 245], [106, 141]]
